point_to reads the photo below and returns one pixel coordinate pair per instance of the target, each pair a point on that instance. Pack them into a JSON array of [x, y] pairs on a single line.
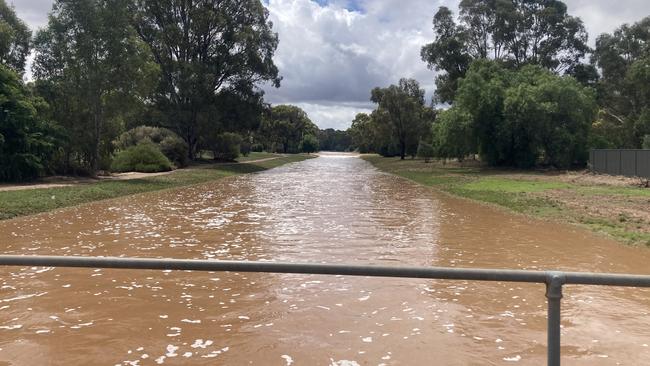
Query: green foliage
[[225, 146], [334, 140], [94, 72], [144, 157], [169, 143], [15, 38], [425, 151], [400, 115], [309, 144], [520, 117], [452, 134], [205, 49], [284, 128], [361, 133], [624, 90], [516, 33], [646, 142], [27, 141]]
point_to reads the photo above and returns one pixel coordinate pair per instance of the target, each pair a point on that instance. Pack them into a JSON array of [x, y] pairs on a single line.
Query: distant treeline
[[516, 90]]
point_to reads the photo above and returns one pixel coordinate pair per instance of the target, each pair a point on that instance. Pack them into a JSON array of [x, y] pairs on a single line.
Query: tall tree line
[[518, 86], [102, 67]]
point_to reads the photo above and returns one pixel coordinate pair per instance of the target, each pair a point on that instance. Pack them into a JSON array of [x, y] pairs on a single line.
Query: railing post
[[554, 283]]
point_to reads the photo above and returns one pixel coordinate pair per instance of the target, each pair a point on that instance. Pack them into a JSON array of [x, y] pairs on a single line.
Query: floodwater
[[333, 209]]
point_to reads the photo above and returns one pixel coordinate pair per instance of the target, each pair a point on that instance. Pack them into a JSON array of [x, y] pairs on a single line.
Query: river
[[333, 209]]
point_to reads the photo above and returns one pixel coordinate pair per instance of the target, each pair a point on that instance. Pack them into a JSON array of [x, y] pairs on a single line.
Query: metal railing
[[554, 280]]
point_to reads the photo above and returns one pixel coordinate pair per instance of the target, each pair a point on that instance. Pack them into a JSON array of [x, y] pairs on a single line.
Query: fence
[[631, 163], [554, 280]]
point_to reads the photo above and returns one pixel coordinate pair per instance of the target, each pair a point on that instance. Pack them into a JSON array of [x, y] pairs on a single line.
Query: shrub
[[144, 157], [245, 148], [225, 146], [257, 147], [309, 144], [169, 143], [425, 151]]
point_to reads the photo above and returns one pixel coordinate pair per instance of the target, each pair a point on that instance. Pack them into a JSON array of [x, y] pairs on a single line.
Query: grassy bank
[[616, 208], [27, 202]]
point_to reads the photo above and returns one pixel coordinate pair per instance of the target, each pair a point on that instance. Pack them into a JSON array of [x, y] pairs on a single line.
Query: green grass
[[27, 202], [512, 185], [527, 196]]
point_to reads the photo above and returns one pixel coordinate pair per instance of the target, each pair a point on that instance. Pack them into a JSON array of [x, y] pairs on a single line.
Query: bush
[[245, 148], [169, 143], [144, 157], [309, 144], [257, 147], [646, 142], [425, 151], [225, 146]]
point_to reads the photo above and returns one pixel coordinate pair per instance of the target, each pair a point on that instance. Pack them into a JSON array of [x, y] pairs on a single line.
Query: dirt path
[[56, 182]]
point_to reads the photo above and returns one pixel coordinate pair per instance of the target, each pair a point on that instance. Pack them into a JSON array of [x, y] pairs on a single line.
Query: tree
[[515, 32], [334, 140], [400, 109], [426, 151], [452, 134], [309, 144], [203, 48], [15, 38], [517, 118], [27, 141], [284, 128], [361, 133], [623, 92], [94, 71]]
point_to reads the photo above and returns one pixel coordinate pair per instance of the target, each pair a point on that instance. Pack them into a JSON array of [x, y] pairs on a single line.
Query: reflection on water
[[336, 208]]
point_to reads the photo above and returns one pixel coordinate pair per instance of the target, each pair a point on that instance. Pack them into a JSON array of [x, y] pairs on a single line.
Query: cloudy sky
[[332, 52]]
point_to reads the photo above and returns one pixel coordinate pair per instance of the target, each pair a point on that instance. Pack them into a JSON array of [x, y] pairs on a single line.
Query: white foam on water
[[343, 363], [171, 350], [516, 358], [288, 359]]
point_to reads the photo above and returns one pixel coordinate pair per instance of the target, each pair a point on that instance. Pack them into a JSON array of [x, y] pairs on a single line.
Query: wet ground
[[334, 209]]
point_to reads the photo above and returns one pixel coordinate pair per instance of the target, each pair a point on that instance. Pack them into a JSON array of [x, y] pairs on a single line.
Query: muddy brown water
[[333, 209]]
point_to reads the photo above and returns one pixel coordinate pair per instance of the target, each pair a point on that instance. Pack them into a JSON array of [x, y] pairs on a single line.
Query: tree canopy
[[517, 118], [202, 48], [400, 109], [624, 92], [94, 71], [284, 127], [515, 32], [15, 39]]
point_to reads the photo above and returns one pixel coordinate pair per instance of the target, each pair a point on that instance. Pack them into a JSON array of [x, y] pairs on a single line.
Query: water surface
[[333, 209]]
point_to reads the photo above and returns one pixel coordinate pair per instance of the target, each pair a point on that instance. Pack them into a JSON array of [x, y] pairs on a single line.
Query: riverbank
[[612, 206], [14, 203]]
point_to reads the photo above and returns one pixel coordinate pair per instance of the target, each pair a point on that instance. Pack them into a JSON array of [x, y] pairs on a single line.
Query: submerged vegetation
[[620, 211]]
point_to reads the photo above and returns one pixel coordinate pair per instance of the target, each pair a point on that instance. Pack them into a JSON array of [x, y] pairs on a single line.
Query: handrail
[[554, 280]]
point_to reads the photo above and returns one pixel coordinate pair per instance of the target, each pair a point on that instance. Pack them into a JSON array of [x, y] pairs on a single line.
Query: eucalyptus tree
[[15, 39], [93, 69], [516, 32], [204, 47], [401, 110], [27, 140], [623, 57], [285, 127]]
